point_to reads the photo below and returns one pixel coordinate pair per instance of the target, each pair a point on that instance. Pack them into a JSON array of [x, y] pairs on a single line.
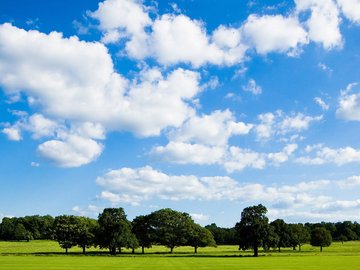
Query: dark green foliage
[[114, 230], [86, 231], [320, 237], [66, 229], [299, 235], [171, 228], [141, 227], [223, 236], [253, 228], [200, 237], [283, 232]]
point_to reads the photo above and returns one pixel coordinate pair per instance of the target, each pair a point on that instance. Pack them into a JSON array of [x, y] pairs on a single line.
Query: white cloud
[[282, 156], [213, 129], [325, 68], [351, 9], [200, 218], [252, 87], [90, 210], [323, 24], [322, 103], [274, 34], [350, 182], [34, 164], [349, 104], [324, 155], [239, 159], [280, 124], [185, 153], [129, 185], [72, 151], [13, 133]]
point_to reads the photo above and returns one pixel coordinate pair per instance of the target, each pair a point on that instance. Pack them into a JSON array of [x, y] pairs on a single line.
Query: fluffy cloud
[[136, 185], [213, 129], [280, 124], [351, 9], [252, 87], [324, 21], [321, 103], [185, 153], [274, 34], [350, 182], [12, 133], [349, 104], [324, 155], [72, 151]]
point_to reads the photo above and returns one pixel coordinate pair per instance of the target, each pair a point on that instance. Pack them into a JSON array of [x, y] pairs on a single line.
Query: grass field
[[48, 255]]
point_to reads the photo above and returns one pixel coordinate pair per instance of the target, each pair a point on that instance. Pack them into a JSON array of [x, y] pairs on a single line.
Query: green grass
[[48, 255]]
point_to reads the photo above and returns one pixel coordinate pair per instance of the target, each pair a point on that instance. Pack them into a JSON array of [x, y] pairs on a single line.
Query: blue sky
[[202, 106]]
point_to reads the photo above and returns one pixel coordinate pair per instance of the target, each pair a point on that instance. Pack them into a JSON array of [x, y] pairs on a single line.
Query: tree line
[[113, 231]]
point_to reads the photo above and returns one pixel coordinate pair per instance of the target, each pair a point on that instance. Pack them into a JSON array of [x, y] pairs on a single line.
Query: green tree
[[20, 233], [171, 228], [85, 232], [299, 235], [200, 237], [283, 231], [141, 227], [66, 231], [253, 227], [114, 229], [320, 237]]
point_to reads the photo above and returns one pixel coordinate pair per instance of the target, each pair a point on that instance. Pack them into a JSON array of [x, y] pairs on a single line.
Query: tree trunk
[[299, 247], [195, 249], [83, 247], [320, 248], [66, 250], [171, 250], [279, 249], [294, 247], [133, 250], [256, 251], [142, 249], [120, 250]]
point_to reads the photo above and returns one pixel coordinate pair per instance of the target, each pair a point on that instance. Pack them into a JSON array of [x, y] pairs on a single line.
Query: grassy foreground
[[47, 255]]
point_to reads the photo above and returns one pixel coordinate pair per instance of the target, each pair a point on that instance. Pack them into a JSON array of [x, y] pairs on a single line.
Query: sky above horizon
[[205, 107]]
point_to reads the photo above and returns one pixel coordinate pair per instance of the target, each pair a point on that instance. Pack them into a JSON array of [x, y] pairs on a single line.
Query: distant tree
[[271, 239], [253, 227], [171, 228], [223, 236], [200, 237], [283, 231], [143, 231], [66, 231], [114, 228], [7, 228], [85, 232], [320, 237], [299, 235], [20, 233]]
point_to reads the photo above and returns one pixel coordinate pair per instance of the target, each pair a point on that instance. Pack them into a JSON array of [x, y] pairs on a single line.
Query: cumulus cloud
[[213, 129], [350, 182], [323, 24], [72, 151], [279, 123], [252, 87], [349, 104], [137, 185], [12, 133], [274, 34], [351, 9], [324, 155], [319, 101]]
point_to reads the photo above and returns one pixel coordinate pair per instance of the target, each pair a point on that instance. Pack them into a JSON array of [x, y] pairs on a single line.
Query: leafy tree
[[271, 239], [7, 229], [66, 231], [320, 237], [283, 232], [171, 228], [20, 233], [114, 229], [200, 237], [299, 235], [141, 227], [223, 236], [85, 232], [253, 227]]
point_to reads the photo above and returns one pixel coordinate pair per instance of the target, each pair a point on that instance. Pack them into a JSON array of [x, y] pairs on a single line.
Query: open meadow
[[48, 255]]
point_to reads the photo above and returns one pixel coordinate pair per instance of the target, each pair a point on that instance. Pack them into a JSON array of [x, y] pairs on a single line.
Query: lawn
[[48, 255]]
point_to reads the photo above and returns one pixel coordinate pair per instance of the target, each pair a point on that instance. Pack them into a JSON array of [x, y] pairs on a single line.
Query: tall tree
[[113, 229], [85, 232], [320, 237], [171, 228], [200, 237], [66, 231], [143, 231], [299, 235], [283, 231], [253, 227]]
